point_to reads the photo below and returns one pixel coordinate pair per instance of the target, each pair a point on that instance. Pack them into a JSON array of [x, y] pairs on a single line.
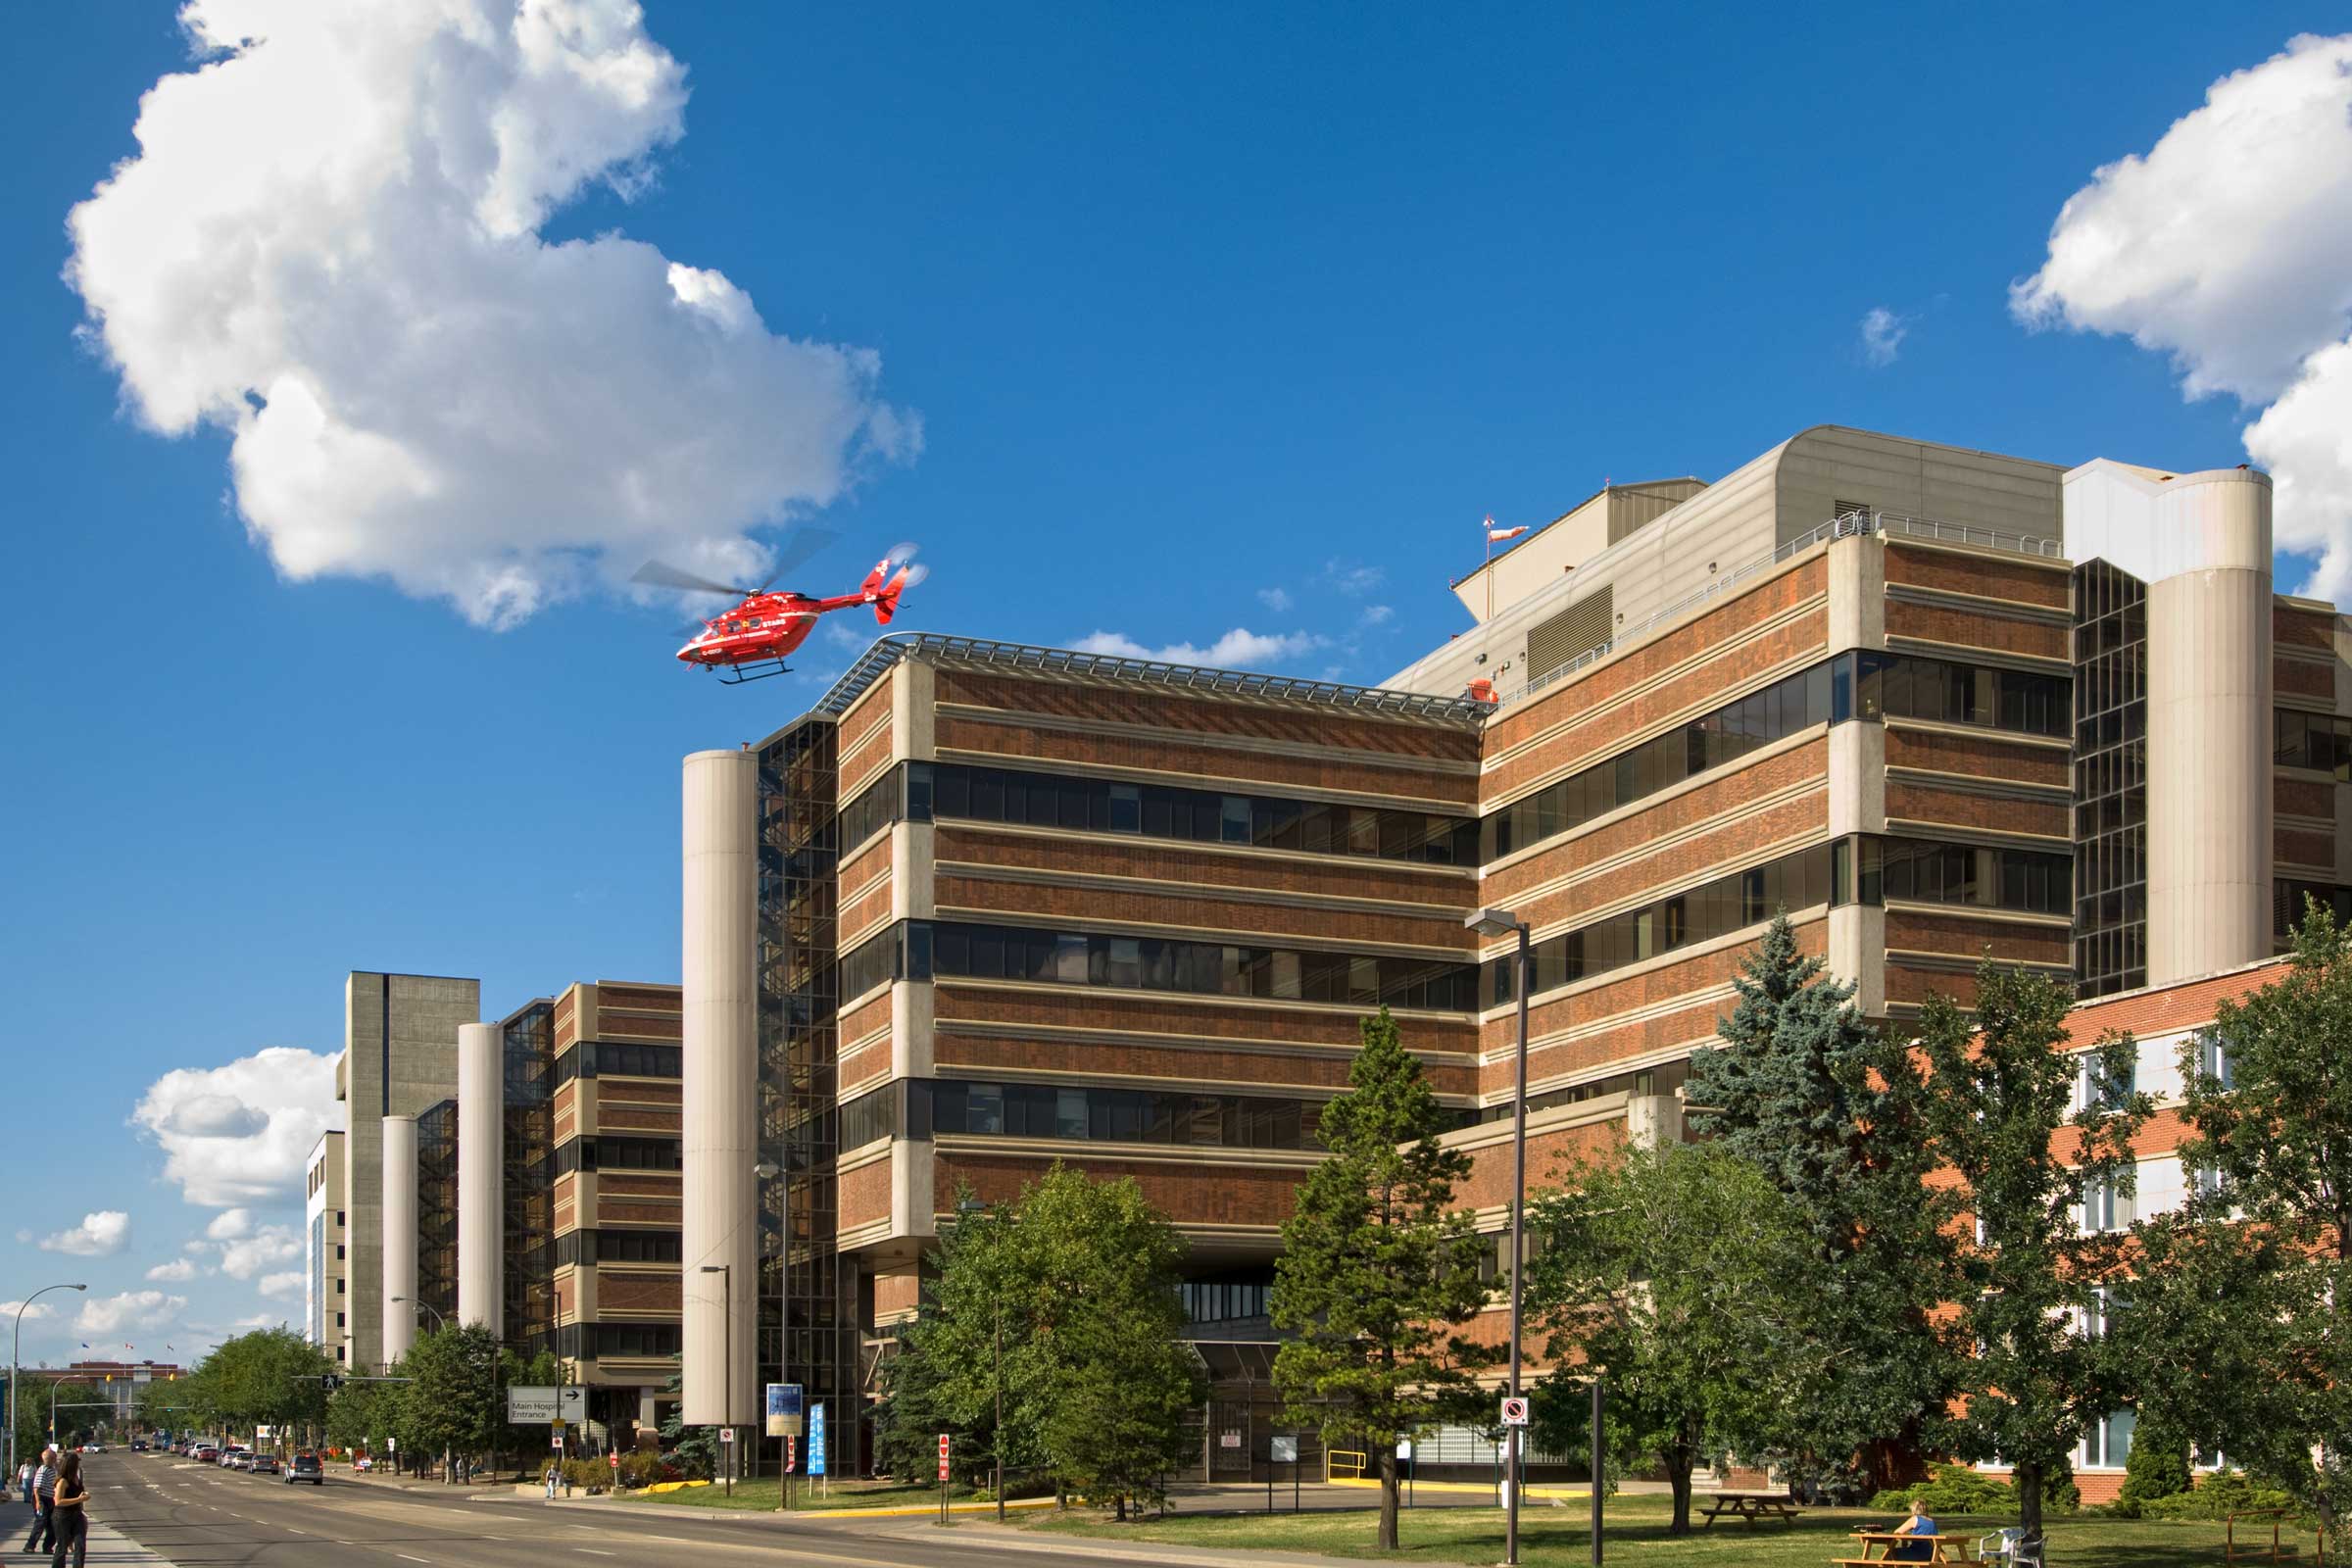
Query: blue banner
[[816, 1439]]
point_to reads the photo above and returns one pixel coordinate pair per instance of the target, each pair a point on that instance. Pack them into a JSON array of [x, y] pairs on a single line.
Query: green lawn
[[762, 1495], [1636, 1531]]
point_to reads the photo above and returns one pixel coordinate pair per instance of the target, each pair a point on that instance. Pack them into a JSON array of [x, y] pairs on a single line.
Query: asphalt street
[[200, 1516]]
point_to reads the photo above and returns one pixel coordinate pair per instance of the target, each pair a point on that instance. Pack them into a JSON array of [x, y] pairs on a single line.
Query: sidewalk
[[108, 1545]]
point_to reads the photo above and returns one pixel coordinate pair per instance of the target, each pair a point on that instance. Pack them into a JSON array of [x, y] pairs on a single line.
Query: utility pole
[[1494, 923], [1000, 1412], [726, 1274]]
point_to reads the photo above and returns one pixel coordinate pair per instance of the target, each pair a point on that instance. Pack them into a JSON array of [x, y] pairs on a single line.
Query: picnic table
[[1751, 1506], [1889, 1547]]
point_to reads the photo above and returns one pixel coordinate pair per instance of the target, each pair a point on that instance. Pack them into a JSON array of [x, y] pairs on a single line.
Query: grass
[[761, 1496], [1634, 1531]]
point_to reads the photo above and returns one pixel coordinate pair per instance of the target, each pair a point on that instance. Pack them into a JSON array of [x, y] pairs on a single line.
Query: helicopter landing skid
[[738, 674]]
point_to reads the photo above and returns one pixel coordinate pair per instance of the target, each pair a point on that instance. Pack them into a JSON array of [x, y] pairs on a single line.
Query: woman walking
[[73, 1527]]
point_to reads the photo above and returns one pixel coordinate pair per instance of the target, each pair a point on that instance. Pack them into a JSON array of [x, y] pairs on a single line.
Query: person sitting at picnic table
[[1921, 1523]]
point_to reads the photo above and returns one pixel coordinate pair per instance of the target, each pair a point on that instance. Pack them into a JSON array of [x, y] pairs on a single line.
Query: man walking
[[44, 1503]]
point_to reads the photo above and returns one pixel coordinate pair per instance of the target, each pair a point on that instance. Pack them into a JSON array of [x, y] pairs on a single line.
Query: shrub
[[2158, 1467], [2215, 1497], [643, 1468], [1954, 1489]]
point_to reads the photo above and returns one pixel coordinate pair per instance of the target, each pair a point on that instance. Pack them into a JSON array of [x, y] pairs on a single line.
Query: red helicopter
[[751, 641]]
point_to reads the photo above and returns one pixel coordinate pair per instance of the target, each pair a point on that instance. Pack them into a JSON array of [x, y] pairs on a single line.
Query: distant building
[[325, 1288]]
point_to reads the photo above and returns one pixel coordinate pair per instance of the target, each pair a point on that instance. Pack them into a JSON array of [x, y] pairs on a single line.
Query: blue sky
[[1211, 320]]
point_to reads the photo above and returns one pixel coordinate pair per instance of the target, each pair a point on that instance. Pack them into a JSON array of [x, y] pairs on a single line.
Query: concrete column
[[2210, 809], [399, 1236], [481, 1176], [720, 1060]]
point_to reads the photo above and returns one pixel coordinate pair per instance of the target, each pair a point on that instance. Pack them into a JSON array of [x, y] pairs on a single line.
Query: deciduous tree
[[2002, 1116], [1379, 1271], [1679, 1272], [2237, 1320]]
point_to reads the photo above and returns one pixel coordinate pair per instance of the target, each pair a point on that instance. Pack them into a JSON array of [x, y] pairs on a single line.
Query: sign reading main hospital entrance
[[531, 1405]]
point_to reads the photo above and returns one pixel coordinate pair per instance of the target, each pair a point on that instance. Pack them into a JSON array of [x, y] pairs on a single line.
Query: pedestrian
[[70, 1510], [24, 1480], [551, 1482], [44, 1494]]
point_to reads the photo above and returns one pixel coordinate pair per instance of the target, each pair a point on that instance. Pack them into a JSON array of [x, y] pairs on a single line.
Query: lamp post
[[17, 1345], [439, 1322], [1495, 923], [727, 1273], [767, 1170]]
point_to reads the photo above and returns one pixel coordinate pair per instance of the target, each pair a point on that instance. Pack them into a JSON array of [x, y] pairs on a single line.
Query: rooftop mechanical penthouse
[[989, 905]]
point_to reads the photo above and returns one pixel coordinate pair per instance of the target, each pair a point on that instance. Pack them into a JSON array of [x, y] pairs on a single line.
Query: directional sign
[[816, 1439], [529, 1405], [1514, 1413]]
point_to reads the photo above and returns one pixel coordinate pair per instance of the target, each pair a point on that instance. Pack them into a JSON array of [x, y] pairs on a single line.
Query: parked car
[[362, 1464], [138, 1445], [231, 1454], [204, 1454], [262, 1464], [306, 1467]]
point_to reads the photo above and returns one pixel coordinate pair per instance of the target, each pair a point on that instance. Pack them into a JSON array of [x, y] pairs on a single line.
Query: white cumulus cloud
[[2223, 246], [1237, 648], [129, 1310], [281, 1286], [177, 1270], [1277, 600], [230, 1224], [327, 247], [282, 1098], [1883, 334], [247, 1257], [33, 1311], [99, 1234]]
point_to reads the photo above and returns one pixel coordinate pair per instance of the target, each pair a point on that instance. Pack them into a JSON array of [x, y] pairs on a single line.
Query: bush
[[643, 1468], [2158, 1467], [1954, 1489], [2216, 1497], [581, 1474]]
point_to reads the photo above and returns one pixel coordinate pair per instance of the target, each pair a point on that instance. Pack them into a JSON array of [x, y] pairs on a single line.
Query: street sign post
[[1514, 1413], [816, 1446], [943, 1478], [726, 1434]]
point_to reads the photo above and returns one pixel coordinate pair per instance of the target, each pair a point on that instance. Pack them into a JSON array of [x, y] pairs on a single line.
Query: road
[[200, 1516]]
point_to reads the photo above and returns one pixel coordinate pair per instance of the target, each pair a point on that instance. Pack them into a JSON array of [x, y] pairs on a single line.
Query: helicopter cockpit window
[[734, 625]]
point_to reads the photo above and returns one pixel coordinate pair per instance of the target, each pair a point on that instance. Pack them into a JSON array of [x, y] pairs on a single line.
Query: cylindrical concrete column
[[481, 1176], [399, 1236], [720, 1061], [2210, 737]]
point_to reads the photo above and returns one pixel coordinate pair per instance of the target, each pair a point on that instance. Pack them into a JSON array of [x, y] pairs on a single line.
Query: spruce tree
[[1819, 1101], [1377, 1270]]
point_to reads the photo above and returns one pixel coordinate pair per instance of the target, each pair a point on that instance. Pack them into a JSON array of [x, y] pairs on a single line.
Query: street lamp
[[727, 1273], [17, 1345], [1496, 924], [768, 1170], [439, 1322]]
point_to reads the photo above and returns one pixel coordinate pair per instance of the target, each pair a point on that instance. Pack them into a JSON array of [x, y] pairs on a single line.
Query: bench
[[1751, 1506], [1881, 1545]]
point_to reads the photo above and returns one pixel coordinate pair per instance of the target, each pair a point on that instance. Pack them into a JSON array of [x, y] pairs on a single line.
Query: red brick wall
[[1988, 575], [1941, 624], [616, 1291], [863, 1195], [1920, 803], [1980, 756], [1219, 1194]]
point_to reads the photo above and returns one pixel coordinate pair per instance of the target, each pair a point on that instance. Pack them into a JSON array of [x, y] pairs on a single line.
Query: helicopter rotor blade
[[662, 574], [899, 555], [910, 577], [797, 552]]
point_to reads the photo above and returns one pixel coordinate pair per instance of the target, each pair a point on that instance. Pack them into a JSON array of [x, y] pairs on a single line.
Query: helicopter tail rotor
[[886, 603]]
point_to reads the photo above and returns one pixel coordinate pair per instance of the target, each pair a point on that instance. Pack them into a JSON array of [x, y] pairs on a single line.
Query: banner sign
[[530, 1406], [784, 1410], [816, 1439]]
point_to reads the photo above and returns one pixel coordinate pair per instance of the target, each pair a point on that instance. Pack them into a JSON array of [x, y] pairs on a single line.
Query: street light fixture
[[726, 1397], [439, 1322], [17, 1345], [1497, 923]]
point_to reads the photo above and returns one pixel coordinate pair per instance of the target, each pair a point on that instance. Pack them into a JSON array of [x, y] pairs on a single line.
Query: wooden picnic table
[[1889, 1545], [1751, 1506]]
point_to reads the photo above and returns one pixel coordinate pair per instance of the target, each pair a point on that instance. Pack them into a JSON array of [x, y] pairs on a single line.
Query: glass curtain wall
[[2110, 780], [529, 1175], [437, 1214], [807, 1318]]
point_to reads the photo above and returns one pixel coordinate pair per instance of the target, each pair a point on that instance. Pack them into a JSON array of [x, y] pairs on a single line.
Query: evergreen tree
[[1377, 1267], [1670, 1271], [908, 1420], [2000, 1110], [2236, 1318], [1829, 1109]]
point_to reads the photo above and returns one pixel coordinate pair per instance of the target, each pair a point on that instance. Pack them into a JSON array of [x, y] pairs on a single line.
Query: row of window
[[920, 792], [618, 1247], [589, 1340], [1124, 1115], [1666, 1078], [1863, 686], [1226, 1300], [2322, 741], [600, 1059], [2287, 906], [608, 1151], [1865, 870], [921, 949]]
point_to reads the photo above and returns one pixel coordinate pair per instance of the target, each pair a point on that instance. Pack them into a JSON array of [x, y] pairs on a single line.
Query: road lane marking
[[592, 1553], [404, 1557]]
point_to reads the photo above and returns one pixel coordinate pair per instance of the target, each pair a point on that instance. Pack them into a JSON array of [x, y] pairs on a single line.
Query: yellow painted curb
[[1465, 1486], [952, 1507]]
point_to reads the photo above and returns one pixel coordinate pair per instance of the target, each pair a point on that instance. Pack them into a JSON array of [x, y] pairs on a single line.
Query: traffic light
[[329, 1382]]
